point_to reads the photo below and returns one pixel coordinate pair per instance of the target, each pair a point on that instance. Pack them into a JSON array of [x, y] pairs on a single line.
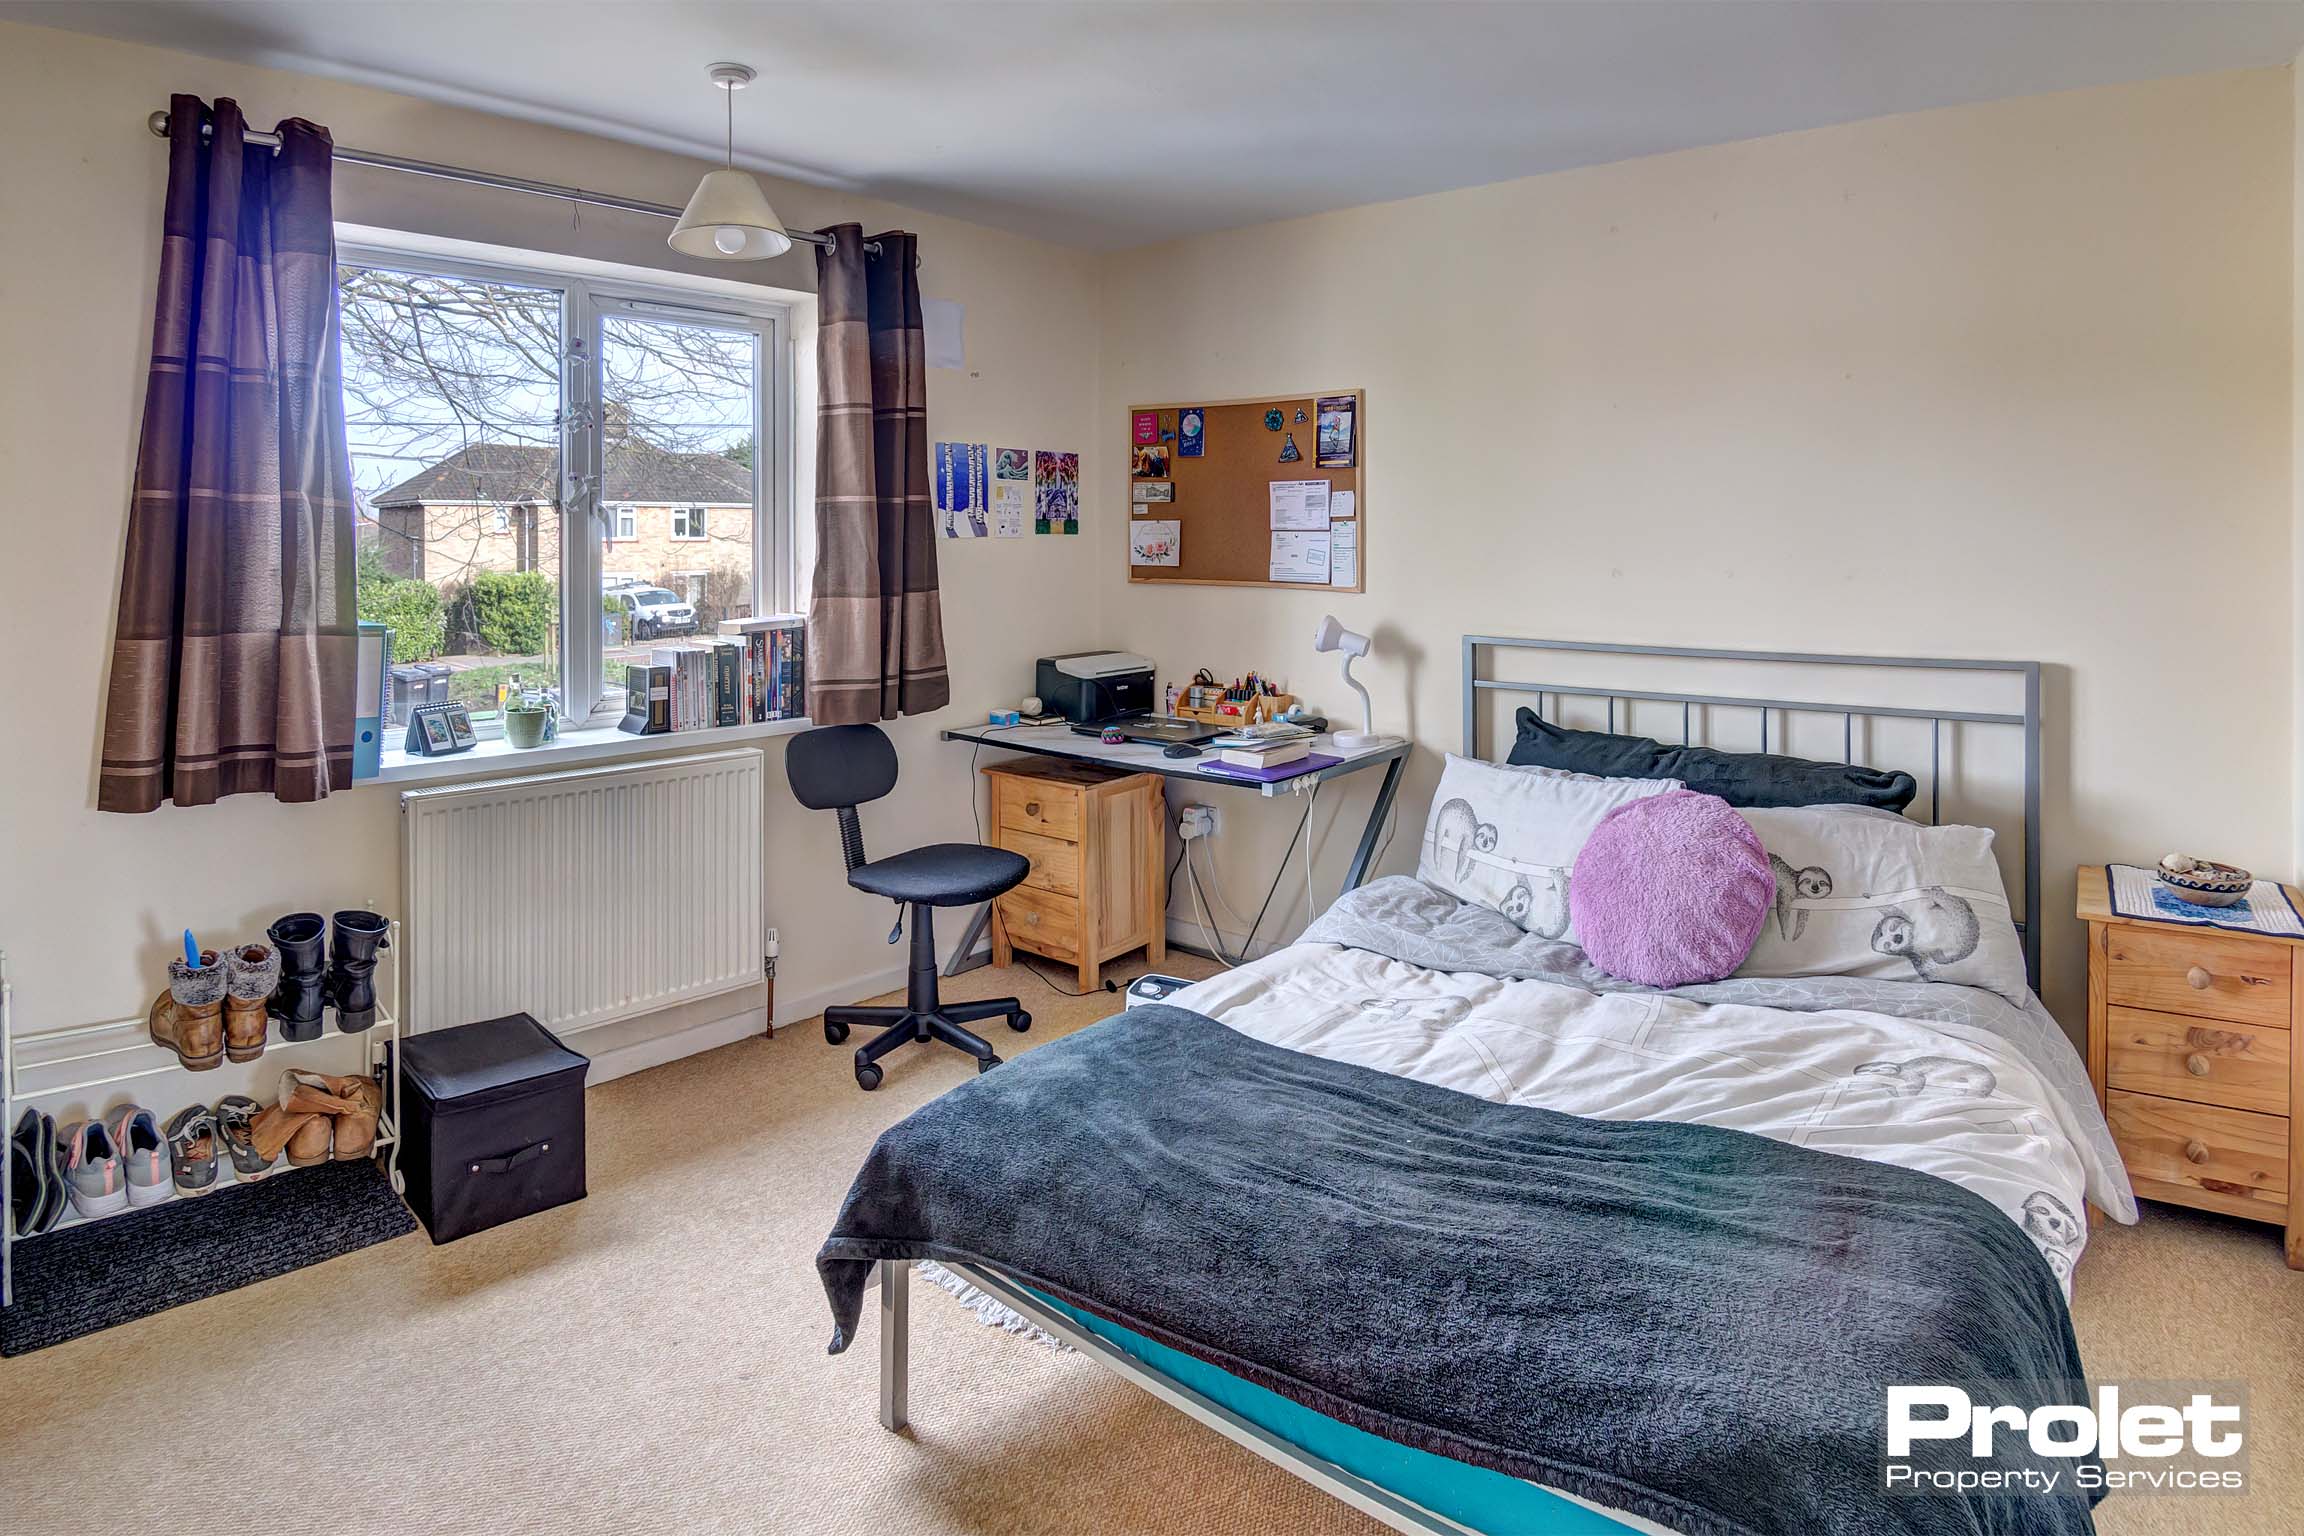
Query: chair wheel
[[985, 1064], [1019, 1021], [834, 1033], [867, 1077]]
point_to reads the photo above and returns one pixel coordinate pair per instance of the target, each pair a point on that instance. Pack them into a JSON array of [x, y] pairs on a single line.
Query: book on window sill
[[647, 701]]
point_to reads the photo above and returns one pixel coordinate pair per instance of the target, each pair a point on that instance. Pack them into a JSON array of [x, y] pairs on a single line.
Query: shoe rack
[[90, 1058]]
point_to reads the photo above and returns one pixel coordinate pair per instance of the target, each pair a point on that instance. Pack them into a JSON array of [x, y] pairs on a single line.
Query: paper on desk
[[1300, 505], [1343, 554], [1300, 557]]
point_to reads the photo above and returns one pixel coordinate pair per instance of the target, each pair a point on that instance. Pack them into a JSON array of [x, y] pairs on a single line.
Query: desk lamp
[[1332, 636]]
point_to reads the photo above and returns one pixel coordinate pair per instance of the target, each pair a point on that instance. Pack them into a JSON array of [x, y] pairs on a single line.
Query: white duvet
[[1938, 1097]]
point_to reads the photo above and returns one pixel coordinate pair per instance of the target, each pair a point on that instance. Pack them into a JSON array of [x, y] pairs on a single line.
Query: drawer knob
[[2196, 1064], [2199, 978], [2196, 1151], [1032, 808]]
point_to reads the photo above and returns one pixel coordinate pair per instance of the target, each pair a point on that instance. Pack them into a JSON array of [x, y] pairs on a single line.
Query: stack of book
[[1269, 753], [755, 674]]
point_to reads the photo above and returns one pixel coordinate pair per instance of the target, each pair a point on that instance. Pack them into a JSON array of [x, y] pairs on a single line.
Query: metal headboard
[[2028, 722]]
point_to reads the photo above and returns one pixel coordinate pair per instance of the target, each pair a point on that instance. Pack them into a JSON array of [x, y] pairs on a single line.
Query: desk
[[1137, 757]]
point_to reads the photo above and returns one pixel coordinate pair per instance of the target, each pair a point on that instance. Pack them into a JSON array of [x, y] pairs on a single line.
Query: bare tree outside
[[454, 410]]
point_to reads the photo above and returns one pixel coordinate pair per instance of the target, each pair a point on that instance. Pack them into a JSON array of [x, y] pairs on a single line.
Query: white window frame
[[500, 520], [692, 518], [588, 298], [627, 522]]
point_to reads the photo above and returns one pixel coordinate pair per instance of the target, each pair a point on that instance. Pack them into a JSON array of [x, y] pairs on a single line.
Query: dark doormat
[[104, 1273]]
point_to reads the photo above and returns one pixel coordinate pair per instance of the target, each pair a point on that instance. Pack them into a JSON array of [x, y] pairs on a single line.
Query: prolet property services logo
[[2136, 1437]]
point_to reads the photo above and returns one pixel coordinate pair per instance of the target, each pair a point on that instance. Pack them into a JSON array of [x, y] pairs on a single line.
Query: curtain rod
[[159, 125]]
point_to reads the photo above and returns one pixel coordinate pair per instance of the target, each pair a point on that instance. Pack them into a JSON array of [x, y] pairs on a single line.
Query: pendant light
[[729, 218]]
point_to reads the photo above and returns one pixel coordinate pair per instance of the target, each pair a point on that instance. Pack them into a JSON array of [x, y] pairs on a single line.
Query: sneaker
[[98, 1179], [135, 1133], [192, 1141], [235, 1121], [36, 1191]]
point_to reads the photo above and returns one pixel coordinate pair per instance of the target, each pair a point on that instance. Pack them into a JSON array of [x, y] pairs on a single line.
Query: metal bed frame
[[893, 1276], [1475, 684]]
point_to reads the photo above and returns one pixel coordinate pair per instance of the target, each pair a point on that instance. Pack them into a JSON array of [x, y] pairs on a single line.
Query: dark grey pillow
[[1740, 778]]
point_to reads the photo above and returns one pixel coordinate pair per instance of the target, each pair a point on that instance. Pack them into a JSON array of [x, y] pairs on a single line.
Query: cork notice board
[[1221, 501]]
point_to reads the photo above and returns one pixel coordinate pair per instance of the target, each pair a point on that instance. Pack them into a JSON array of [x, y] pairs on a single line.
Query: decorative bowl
[[2203, 882]]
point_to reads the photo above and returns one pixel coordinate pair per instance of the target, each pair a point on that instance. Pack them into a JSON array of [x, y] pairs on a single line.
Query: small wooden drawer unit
[[2190, 1046], [1095, 838]]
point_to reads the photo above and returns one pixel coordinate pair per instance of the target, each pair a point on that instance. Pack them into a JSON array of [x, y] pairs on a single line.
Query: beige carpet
[[652, 1360]]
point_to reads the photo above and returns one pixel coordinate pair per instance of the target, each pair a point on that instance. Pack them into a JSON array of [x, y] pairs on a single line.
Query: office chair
[[838, 768]]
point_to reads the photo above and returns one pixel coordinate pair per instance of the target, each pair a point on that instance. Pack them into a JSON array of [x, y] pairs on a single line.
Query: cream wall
[[1990, 381], [89, 903]]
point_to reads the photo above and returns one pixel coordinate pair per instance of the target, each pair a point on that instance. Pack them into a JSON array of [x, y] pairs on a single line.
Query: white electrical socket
[[1193, 821]]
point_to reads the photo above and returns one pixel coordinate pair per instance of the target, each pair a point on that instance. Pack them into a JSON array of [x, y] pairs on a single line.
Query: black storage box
[[493, 1118]]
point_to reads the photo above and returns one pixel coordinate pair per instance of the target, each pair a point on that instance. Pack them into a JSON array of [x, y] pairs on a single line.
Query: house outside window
[[659, 458]]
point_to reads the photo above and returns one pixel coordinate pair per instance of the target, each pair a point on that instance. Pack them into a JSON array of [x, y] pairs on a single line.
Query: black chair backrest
[[838, 768], [840, 765]]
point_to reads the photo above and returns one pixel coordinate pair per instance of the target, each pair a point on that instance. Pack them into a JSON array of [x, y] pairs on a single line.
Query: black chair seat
[[943, 874]]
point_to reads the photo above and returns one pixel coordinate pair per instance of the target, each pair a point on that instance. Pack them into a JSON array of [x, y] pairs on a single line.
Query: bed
[[1920, 1151]]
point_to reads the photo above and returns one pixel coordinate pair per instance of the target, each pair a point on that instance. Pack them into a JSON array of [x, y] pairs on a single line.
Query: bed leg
[[895, 1340]]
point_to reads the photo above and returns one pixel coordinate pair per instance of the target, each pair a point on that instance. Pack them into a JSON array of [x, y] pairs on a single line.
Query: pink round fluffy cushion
[[1671, 890]]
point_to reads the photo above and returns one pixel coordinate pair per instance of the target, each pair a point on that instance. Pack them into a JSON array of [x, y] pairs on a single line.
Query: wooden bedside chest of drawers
[[1095, 837], [2189, 1048]]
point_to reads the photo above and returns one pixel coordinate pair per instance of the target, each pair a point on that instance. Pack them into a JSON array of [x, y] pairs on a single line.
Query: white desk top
[[1142, 757]]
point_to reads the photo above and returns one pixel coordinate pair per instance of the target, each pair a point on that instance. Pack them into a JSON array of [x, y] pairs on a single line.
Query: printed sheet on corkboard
[[1261, 493]]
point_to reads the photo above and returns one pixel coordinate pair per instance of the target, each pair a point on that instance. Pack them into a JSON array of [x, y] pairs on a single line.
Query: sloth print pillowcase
[[1862, 894], [1505, 838]]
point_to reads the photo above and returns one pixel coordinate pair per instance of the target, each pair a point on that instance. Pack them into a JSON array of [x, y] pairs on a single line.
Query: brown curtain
[[233, 660], [875, 620]]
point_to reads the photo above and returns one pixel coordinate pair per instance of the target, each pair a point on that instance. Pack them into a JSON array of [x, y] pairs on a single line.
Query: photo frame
[[439, 730]]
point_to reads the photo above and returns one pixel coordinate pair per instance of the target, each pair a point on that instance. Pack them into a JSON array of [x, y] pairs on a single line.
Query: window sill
[[498, 757]]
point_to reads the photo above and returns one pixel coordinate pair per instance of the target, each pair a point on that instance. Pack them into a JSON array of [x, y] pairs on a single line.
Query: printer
[[1087, 686]]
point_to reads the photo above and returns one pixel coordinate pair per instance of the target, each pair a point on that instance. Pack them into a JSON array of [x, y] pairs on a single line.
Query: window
[[506, 396]]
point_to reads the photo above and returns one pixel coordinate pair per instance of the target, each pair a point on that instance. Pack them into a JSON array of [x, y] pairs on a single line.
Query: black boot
[[299, 937], [357, 936]]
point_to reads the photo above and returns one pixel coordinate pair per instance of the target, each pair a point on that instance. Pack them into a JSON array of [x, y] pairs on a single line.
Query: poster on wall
[[963, 504], [1056, 490], [1011, 491]]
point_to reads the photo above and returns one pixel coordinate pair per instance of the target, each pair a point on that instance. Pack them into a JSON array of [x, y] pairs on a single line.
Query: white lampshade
[[729, 220]]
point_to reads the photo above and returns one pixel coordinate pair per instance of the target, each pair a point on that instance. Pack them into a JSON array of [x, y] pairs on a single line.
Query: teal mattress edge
[[1489, 1502]]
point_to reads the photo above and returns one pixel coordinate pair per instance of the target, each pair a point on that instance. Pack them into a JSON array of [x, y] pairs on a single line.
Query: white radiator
[[584, 896]]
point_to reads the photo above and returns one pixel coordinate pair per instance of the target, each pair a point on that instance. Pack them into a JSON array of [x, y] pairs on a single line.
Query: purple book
[[1311, 762]]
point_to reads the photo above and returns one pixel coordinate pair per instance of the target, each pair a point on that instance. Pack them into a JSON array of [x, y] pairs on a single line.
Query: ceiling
[[1112, 124]]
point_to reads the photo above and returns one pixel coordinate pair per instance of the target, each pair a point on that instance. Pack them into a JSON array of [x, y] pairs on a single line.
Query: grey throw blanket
[[1690, 1324]]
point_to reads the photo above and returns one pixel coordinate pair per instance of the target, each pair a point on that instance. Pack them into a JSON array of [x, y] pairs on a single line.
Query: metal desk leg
[[1375, 828], [963, 952], [895, 1341]]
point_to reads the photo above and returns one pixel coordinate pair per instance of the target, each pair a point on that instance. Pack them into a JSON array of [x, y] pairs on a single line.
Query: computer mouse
[[1180, 750]]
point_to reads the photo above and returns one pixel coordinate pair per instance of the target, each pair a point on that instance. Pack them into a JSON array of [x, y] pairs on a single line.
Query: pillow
[[1506, 838], [1886, 897], [1671, 890], [1740, 778]]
